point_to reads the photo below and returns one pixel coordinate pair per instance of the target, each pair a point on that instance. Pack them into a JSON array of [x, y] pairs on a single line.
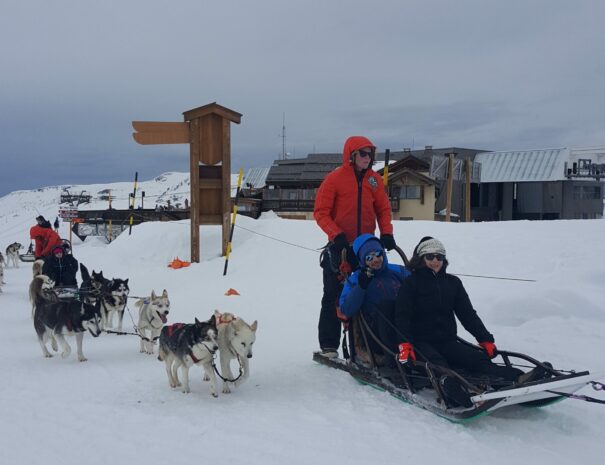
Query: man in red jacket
[[46, 239], [349, 202]]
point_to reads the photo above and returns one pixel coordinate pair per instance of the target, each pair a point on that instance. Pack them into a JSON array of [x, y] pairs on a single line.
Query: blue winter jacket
[[383, 286]]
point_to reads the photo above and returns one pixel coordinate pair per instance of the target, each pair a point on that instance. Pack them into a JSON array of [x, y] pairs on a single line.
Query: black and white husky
[[92, 286], [153, 313], [185, 345], [54, 319], [112, 293], [235, 340], [12, 254]]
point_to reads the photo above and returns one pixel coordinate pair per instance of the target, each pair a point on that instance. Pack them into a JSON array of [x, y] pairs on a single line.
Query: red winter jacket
[[45, 239], [344, 204]]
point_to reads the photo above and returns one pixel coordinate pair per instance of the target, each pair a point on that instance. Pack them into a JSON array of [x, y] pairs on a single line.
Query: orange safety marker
[[232, 291]]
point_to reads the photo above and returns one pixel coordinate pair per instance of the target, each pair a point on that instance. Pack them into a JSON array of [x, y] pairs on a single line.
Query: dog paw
[[226, 390], [65, 353], [214, 394], [206, 377], [82, 359], [48, 355], [186, 391]]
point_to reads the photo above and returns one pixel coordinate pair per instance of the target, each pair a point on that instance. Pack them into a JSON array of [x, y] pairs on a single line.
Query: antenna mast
[[283, 138]]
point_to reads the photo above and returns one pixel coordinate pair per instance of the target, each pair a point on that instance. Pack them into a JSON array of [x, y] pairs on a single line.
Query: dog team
[[59, 311]]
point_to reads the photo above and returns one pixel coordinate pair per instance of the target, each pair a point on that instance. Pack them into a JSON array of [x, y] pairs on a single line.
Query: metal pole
[[450, 185], [134, 193], [239, 185]]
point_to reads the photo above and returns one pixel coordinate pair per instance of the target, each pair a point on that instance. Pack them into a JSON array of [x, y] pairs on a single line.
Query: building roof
[[523, 165], [255, 178]]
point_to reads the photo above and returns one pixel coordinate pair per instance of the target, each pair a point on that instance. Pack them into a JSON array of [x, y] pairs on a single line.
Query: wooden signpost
[[207, 130]]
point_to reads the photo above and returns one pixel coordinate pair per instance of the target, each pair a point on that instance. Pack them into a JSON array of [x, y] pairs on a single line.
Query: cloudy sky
[[407, 73]]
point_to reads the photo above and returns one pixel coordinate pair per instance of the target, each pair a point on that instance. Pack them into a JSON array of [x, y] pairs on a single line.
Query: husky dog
[[92, 286], [113, 294], [55, 319], [37, 267], [183, 345], [41, 284], [113, 299], [12, 254], [152, 316], [235, 340]]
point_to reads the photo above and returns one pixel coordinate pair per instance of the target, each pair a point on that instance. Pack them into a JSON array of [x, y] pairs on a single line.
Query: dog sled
[[28, 256], [421, 384]]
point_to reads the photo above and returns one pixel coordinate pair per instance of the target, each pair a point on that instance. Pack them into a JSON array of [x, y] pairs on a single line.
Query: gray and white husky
[[41, 284], [55, 319], [153, 313], [185, 345], [12, 254], [235, 340]]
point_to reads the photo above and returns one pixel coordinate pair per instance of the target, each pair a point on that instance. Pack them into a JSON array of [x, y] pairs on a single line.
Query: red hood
[[354, 143]]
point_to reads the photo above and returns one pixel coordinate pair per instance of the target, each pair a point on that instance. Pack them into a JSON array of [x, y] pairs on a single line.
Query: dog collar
[[193, 357]]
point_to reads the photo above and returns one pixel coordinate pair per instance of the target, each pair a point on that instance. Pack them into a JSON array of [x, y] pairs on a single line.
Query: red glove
[[345, 268], [341, 316], [490, 348], [406, 352]]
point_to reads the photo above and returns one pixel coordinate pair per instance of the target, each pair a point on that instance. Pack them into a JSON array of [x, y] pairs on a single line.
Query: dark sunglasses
[[431, 256], [372, 255], [364, 153]]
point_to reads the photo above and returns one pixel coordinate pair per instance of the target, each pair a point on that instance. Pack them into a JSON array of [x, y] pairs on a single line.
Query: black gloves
[[388, 241], [338, 245], [365, 276]]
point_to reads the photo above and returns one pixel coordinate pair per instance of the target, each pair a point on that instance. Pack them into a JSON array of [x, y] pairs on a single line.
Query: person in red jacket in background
[[349, 202], [46, 239]]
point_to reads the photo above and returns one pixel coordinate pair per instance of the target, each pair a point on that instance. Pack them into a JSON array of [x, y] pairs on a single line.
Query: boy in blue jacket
[[373, 289]]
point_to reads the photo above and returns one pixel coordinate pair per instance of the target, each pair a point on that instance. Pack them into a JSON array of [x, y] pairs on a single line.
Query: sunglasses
[[364, 153], [432, 256], [372, 255]]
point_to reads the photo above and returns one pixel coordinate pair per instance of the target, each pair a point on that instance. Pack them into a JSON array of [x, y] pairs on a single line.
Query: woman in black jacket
[[61, 268], [428, 304]]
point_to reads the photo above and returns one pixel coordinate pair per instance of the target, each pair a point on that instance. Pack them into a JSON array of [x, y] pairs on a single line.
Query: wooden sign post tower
[[207, 130]]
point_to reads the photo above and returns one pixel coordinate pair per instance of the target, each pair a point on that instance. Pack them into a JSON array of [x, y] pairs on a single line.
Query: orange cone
[[232, 291]]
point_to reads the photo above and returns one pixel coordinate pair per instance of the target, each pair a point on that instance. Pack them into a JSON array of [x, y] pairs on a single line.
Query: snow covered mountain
[[118, 407]]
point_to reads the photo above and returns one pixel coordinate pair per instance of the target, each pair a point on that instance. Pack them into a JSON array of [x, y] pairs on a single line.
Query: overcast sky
[[497, 75]]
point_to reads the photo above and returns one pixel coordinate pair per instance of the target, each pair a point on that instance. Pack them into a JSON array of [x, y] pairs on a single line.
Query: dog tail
[[139, 303], [84, 272]]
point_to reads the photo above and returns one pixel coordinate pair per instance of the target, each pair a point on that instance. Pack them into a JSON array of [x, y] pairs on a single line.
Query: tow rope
[[595, 385]]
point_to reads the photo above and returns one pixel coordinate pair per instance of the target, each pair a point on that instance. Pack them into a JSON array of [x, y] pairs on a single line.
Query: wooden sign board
[[207, 131]]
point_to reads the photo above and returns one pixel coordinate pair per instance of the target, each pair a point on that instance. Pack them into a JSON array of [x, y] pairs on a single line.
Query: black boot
[[455, 392]]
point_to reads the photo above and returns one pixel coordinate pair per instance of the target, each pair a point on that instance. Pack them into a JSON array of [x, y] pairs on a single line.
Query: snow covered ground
[[118, 408]]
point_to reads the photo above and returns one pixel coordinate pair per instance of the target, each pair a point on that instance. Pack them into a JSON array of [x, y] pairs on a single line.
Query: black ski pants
[[455, 354], [329, 324]]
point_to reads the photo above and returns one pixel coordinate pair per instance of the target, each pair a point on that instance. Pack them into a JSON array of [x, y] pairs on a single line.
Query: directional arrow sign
[[152, 132]]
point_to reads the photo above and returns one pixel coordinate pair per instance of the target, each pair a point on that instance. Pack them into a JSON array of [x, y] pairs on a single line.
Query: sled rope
[[595, 385]]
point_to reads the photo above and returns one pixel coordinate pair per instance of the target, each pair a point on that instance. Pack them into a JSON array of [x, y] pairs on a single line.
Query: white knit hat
[[431, 246]]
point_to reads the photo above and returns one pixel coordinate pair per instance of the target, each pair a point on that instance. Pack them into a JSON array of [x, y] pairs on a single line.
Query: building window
[[587, 192], [409, 192]]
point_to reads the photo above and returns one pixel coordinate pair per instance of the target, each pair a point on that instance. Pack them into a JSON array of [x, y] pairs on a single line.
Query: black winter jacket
[[427, 307], [62, 271]]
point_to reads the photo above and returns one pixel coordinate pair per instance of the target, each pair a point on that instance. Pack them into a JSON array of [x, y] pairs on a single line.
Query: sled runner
[[29, 256], [424, 390]]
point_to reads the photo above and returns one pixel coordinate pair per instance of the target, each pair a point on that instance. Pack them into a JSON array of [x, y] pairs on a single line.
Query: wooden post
[[194, 181], [450, 185], [467, 189], [207, 130], [110, 225]]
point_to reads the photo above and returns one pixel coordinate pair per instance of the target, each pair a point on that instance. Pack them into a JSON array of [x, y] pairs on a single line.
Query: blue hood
[[367, 243]]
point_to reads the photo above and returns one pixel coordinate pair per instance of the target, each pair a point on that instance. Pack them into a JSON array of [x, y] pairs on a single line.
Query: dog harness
[[174, 327]]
